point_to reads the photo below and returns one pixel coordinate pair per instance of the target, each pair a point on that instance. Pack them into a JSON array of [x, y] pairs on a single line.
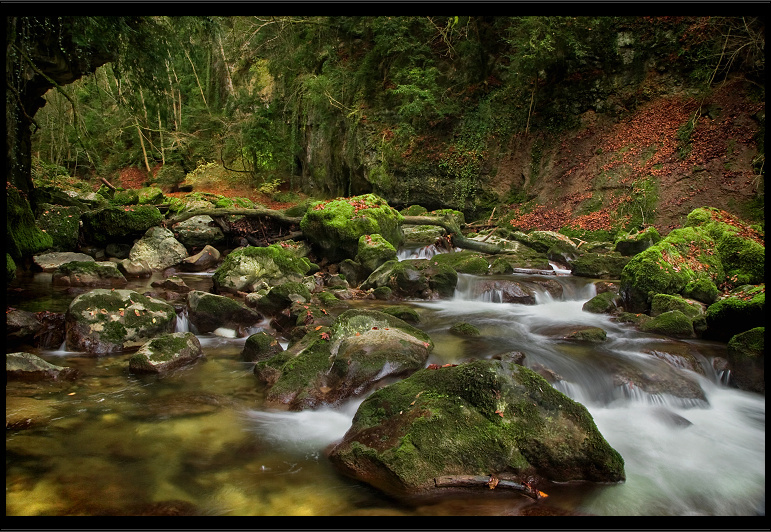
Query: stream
[[199, 440]]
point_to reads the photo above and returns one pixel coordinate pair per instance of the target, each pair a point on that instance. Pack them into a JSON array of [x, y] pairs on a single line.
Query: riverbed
[[200, 441]]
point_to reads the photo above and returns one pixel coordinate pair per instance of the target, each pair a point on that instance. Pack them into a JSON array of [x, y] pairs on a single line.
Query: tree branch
[[455, 233]]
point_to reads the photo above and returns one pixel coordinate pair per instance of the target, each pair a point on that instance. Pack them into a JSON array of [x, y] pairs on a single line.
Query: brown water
[[200, 441]]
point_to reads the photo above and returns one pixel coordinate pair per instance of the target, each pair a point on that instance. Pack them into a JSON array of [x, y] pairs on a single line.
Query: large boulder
[[483, 418], [336, 226], [746, 360], [166, 353], [684, 256], [599, 265], [49, 262], [159, 248], [331, 364], [464, 262], [61, 223], [119, 224], [374, 251], [635, 242], [252, 268], [740, 310], [106, 321], [89, 273], [209, 312]]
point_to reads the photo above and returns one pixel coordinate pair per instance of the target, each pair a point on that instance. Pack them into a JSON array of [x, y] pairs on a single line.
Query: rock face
[[208, 312], [166, 353], [106, 321], [159, 248], [481, 418], [251, 268], [336, 226], [329, 365]]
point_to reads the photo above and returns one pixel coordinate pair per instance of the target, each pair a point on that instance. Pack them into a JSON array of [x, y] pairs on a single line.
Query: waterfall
[[426, 252], [183, 324]]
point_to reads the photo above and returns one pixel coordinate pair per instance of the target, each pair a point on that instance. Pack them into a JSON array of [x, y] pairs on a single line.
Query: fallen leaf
[[492, 482], [499, 413]]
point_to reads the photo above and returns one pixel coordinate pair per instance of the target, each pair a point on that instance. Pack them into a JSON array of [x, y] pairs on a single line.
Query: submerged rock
[[486, 417], [208, 312]]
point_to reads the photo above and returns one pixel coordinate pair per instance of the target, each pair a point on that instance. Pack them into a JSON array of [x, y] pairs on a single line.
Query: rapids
[[112, 443]]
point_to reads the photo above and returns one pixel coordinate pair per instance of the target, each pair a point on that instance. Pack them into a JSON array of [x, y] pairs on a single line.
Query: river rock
[[173, 284], [119, 224], [159, 248], [105, 321], [740, 310], [260, 346], [414, 278], [135, 268], [636, 242], [336, 226], [89, 273], [61, 223], [251, 268], [603, 303], [166, 353], [207, 258], [373, 251], [331, 364], [486, 417], [599, 265], [49, 262], [198, 231], [32, 368], [209, 312], [746, 360]]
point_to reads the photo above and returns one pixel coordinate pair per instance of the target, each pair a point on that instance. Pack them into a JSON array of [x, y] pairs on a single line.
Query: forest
[[385, 265]]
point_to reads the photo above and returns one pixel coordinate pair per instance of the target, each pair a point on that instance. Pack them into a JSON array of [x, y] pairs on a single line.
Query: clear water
[[112, 443]]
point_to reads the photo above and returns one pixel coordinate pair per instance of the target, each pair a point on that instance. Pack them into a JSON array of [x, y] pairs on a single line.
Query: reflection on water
[[200, 441]]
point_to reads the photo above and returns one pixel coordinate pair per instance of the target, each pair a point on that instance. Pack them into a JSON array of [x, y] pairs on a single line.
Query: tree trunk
[[455, 233]]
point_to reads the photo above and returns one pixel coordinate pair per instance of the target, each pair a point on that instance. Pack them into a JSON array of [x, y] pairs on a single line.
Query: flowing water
[[199, 440]]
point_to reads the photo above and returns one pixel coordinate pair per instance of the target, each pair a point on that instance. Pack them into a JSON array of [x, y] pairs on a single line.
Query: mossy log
[[249, 213], [455, 233]]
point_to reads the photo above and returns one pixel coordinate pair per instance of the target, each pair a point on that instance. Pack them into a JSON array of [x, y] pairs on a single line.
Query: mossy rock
[[661, 303], [487, 417], [424, 235], [703, 290], [260, 346], [746, 359], [208, 312], [10, 268], [414, 210], [89, 273], [603, 303], [124, 196], [282, 296], [374, 251], [464, 329], [331, 364], [742, 309], [62, 224], [251, 268], [158, 248], [23, 237], [588, 334], [236, 202], [686, 255], [464, 262], [672, 323], [119, 224], [521, 256], [599, 265], [111, 320], [402, 277], [403, 312], [150, 196], [166, 353], [336, 226], [28, 367], [541, 241], [636, 242]]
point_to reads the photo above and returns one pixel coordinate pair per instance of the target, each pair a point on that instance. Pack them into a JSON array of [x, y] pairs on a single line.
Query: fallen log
[[250, 213], [452, 228], [490, 482]]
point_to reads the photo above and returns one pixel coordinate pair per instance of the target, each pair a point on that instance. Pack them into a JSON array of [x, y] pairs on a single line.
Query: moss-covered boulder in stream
[[636, 242], [599, 265], [374, 251], [62, 223], [209, 312], [119, 224], [740, 310], [487, 417], [23, 236], [106, 321], [464, 262], [336, 226], [89, 273], [158, 248], [414, 279], [684, 256], [166, 353], [252, 268], [331, 364], [671, 323], [746, 360]]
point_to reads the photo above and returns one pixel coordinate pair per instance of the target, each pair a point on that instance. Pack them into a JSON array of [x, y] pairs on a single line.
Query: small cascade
[[183, 324], [724, 377], [426, 252]]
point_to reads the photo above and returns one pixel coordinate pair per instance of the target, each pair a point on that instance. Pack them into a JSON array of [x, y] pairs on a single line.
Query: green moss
[[373, 251], [414, 210], [749, 344], [703, 290], [602, 303], [672, 323], [109, 224], [10, 268], [464, 262], [590, 334], [165, 348], [23, 237], [464, 329], [661, 303], [742, 309], [150, 195], [403, 312], [125, 197], [62, 223], [599, 265]]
